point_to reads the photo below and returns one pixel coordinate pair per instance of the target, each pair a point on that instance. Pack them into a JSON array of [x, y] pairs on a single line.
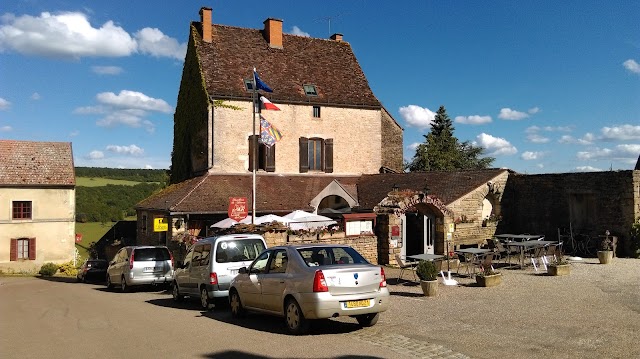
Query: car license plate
[[148, 269], [357, 303]]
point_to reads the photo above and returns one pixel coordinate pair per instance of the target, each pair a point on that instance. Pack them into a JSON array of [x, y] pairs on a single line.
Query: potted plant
[[488, 277], [428, 274], [559, 267], [605, 254]]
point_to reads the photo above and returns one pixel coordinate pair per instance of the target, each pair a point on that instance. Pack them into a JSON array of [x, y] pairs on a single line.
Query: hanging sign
[[238, 208], [160, 224]]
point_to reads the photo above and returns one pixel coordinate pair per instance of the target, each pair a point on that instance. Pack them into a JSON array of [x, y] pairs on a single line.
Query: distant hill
[[109, 194]]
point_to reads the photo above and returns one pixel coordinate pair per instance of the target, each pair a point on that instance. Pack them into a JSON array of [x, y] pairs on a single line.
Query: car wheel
[[176, 293], [109, 284], [204, 298], [237, 310], [368, 320], [123, 285], [295, 320], [78, 279]]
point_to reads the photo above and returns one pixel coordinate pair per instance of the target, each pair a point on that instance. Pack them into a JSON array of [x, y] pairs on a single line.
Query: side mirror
[[242, 270]]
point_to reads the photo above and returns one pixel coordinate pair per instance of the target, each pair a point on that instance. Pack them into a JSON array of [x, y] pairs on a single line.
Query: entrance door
[[429, 233], [418, 233]]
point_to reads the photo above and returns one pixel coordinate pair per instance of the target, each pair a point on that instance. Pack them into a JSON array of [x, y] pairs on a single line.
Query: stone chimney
[[205, 19], [336, 37], [273, 32]]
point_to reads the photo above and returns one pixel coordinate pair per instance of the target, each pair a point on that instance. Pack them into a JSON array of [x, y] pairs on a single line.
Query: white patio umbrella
[[305, 220], [267, 218], [225, 223]]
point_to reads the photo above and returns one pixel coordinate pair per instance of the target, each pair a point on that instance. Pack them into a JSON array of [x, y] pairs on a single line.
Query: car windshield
[[246, 249], [320, 256], [97, 264], [151, 254]]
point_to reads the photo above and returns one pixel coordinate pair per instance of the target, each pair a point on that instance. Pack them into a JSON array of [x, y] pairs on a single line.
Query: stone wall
[[391, 143]]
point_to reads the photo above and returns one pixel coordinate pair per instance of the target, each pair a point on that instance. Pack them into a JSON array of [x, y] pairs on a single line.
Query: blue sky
[[543, 86]]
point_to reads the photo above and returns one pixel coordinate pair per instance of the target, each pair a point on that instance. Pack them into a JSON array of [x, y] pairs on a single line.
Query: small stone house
[[37, 198]]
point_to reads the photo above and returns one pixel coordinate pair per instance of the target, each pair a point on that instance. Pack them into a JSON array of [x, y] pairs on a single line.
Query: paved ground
[[593, 313]]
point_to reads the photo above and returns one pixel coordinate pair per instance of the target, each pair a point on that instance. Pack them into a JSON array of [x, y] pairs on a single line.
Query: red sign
[[238, 208], [395, 231], [78, 237]]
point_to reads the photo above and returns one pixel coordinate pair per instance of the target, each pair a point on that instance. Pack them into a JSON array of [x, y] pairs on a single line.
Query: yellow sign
[[160, 224], [452, 227]]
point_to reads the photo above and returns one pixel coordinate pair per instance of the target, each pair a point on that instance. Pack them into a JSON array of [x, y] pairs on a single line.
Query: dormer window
[[248, 85], [310, 90]]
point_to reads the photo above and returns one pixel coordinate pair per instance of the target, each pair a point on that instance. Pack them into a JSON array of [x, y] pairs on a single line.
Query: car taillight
[[213, 278], [319, 283], [131, 259], [171, 256], [383, 278]]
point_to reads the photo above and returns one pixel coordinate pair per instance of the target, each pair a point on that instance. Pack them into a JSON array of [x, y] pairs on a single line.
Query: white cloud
[[153, 42], [95, 155], [148, 167], [64, 35], [4, 104], [132, 150], [621, 133], [413, 146], [632, 66], [529, 155], [133, 100], [6, 128], [473, 120], [587, 139], [587, 169], [74, 133], [536, 138], [509, 114], [628, 153], [35, 96], [107, 70], [495, 146], [70, 35], [535, 129], [416, 116], [534, 110], [296, 31]]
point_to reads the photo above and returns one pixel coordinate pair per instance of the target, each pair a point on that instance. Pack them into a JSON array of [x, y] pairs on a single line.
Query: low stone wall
[[472, 234], [365, 245]]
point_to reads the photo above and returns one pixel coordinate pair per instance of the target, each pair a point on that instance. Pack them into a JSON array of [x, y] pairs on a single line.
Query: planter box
[[605, 257], [429, 287], [562, 269], [489, 280]]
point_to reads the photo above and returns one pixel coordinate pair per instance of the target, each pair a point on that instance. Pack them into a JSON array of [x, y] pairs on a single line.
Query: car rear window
[[246, 249], [97, 264], [321, 256], [151, 254]]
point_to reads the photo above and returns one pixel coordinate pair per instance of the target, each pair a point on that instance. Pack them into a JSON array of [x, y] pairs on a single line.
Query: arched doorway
[[419, 230], [335, 204]]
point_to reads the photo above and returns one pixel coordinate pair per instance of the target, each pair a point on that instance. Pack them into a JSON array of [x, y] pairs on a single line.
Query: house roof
[[328, 64], [28, 163], [447, 186], [210, 193]]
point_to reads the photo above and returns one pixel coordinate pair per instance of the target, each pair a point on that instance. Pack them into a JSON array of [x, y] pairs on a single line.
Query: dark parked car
[[92, 270]]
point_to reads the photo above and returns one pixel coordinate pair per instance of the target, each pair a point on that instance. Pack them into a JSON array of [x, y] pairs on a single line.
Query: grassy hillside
[[98, 182], [91, 232]]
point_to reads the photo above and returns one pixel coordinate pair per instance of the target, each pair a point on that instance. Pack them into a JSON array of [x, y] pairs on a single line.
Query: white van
[[211, 264]]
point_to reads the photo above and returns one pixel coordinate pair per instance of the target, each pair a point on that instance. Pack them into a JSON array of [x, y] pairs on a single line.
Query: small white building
[[37, 204]]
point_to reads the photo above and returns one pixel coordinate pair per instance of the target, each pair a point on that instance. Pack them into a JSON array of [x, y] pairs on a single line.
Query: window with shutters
[[266, 156], [21, 210], [316, 154], [22, 249]]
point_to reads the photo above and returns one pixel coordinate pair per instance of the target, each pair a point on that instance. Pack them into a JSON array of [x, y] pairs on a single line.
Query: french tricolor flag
[[268, 105]]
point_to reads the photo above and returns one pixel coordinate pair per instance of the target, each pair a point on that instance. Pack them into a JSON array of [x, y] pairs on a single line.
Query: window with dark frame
[[266, 159], [248, 85], [22, 210], [23, 248], [310, 90], [143, 225], [315, 154], [316, 111]]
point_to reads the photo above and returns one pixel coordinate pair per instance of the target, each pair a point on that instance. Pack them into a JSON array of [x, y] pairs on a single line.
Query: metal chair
[[404, 265]]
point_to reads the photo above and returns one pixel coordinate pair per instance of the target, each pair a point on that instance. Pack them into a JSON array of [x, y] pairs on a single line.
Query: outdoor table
[[426, 257], [518, 237], [470, 254], [526, 245]]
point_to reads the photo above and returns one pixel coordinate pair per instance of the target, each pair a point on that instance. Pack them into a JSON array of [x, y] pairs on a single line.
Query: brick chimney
[[273, 32], [336, 37], [205, 19]]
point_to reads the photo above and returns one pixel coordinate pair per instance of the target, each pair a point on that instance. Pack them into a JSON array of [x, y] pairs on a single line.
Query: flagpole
[[255, 148]]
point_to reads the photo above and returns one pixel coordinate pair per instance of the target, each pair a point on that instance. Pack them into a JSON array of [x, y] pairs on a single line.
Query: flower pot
[[489, 280], [605, 257], [429, 287], [559, 269]]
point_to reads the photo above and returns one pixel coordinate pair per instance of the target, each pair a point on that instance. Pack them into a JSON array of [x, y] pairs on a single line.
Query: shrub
[[48, 269], [68, 269], [426, 270]]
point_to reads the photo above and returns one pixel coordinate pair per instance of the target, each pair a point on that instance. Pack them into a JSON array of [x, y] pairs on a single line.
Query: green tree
[[442, 151]]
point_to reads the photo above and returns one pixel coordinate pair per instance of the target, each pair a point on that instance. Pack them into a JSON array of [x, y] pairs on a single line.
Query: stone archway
[[334, 203]]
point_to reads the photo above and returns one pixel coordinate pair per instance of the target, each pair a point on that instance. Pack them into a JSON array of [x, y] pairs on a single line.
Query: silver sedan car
[[304, 282]]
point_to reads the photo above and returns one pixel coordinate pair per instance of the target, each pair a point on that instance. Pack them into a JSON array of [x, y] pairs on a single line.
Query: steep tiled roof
[[447, 186], [328, 64], [210, 193], [27, 163]]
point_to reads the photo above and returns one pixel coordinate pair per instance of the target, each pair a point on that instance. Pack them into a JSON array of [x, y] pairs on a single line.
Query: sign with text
[[78, 237], [395, 232], [238, 208], [160, 224]]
